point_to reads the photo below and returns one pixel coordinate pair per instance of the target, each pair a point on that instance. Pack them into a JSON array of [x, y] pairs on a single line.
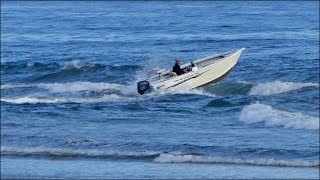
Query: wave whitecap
[[171, 158], [74, 64], [257, 112], [45, 151], [67, 87], [35, 100], [106, 92], [278, 87], [198, 91], [157, 157], [102, 92]]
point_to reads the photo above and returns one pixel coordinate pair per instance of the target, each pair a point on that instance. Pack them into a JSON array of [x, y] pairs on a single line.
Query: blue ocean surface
[[70, 109]]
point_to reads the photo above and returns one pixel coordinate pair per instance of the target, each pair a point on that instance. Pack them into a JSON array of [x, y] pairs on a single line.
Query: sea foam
[[10, 86], [74, 64], [278, 87], [118, 91], [45, 151], [157, 157], [172, 158], [126, 90], [257, 112], [68, 87], [35, 100]]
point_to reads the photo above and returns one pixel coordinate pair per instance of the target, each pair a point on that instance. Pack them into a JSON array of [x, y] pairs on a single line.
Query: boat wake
[[80, 92], [73, 92], [95, 92], [67, 87], [35, 100]]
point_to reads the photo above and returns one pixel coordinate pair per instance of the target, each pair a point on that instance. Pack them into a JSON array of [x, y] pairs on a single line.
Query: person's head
[[178, 61]]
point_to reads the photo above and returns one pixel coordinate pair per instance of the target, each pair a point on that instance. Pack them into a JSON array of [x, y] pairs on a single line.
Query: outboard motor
[[192, 64], [143, 86]]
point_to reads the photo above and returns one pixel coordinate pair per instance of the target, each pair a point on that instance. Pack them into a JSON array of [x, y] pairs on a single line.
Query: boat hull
[[210, 71], [206, 75], [217, 72]]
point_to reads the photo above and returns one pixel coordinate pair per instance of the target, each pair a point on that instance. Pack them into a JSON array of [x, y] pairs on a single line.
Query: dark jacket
[[176, 68]]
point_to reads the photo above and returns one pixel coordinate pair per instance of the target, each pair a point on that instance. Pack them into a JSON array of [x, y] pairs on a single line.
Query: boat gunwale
[[232, 53]]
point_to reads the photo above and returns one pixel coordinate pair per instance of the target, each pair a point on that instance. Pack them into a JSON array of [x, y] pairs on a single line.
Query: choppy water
[[69, 100]]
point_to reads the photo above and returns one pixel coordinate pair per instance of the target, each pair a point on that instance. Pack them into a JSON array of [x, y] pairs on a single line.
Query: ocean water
[[69, 106]]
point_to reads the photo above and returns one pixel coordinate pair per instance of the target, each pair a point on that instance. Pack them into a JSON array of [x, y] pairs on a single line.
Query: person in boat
[[177, 69]]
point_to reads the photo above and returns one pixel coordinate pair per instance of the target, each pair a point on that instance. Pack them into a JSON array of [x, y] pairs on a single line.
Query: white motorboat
[[202, 71]]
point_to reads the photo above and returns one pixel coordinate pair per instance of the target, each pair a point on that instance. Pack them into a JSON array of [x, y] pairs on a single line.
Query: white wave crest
[[79, 86], [74, 64], [68, 87], [278, 87], [9, 86], [126, 90], [197, 91], [171, 158], [30, 64], [161, 158], [35, 100], [72, 152], [265, 113]]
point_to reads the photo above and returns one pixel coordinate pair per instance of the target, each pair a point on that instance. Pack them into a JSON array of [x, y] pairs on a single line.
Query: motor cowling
[[193, 67], [192, 64], [143, 86]]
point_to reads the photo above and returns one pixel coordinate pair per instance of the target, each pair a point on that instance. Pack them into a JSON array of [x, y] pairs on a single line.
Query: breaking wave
[[68, 87], [172, 158], [45, 151], [34, 100], [73, 64], [158, 157], [76, 92], [84, 92], [278, 87], [257, 112], [198, 91]]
